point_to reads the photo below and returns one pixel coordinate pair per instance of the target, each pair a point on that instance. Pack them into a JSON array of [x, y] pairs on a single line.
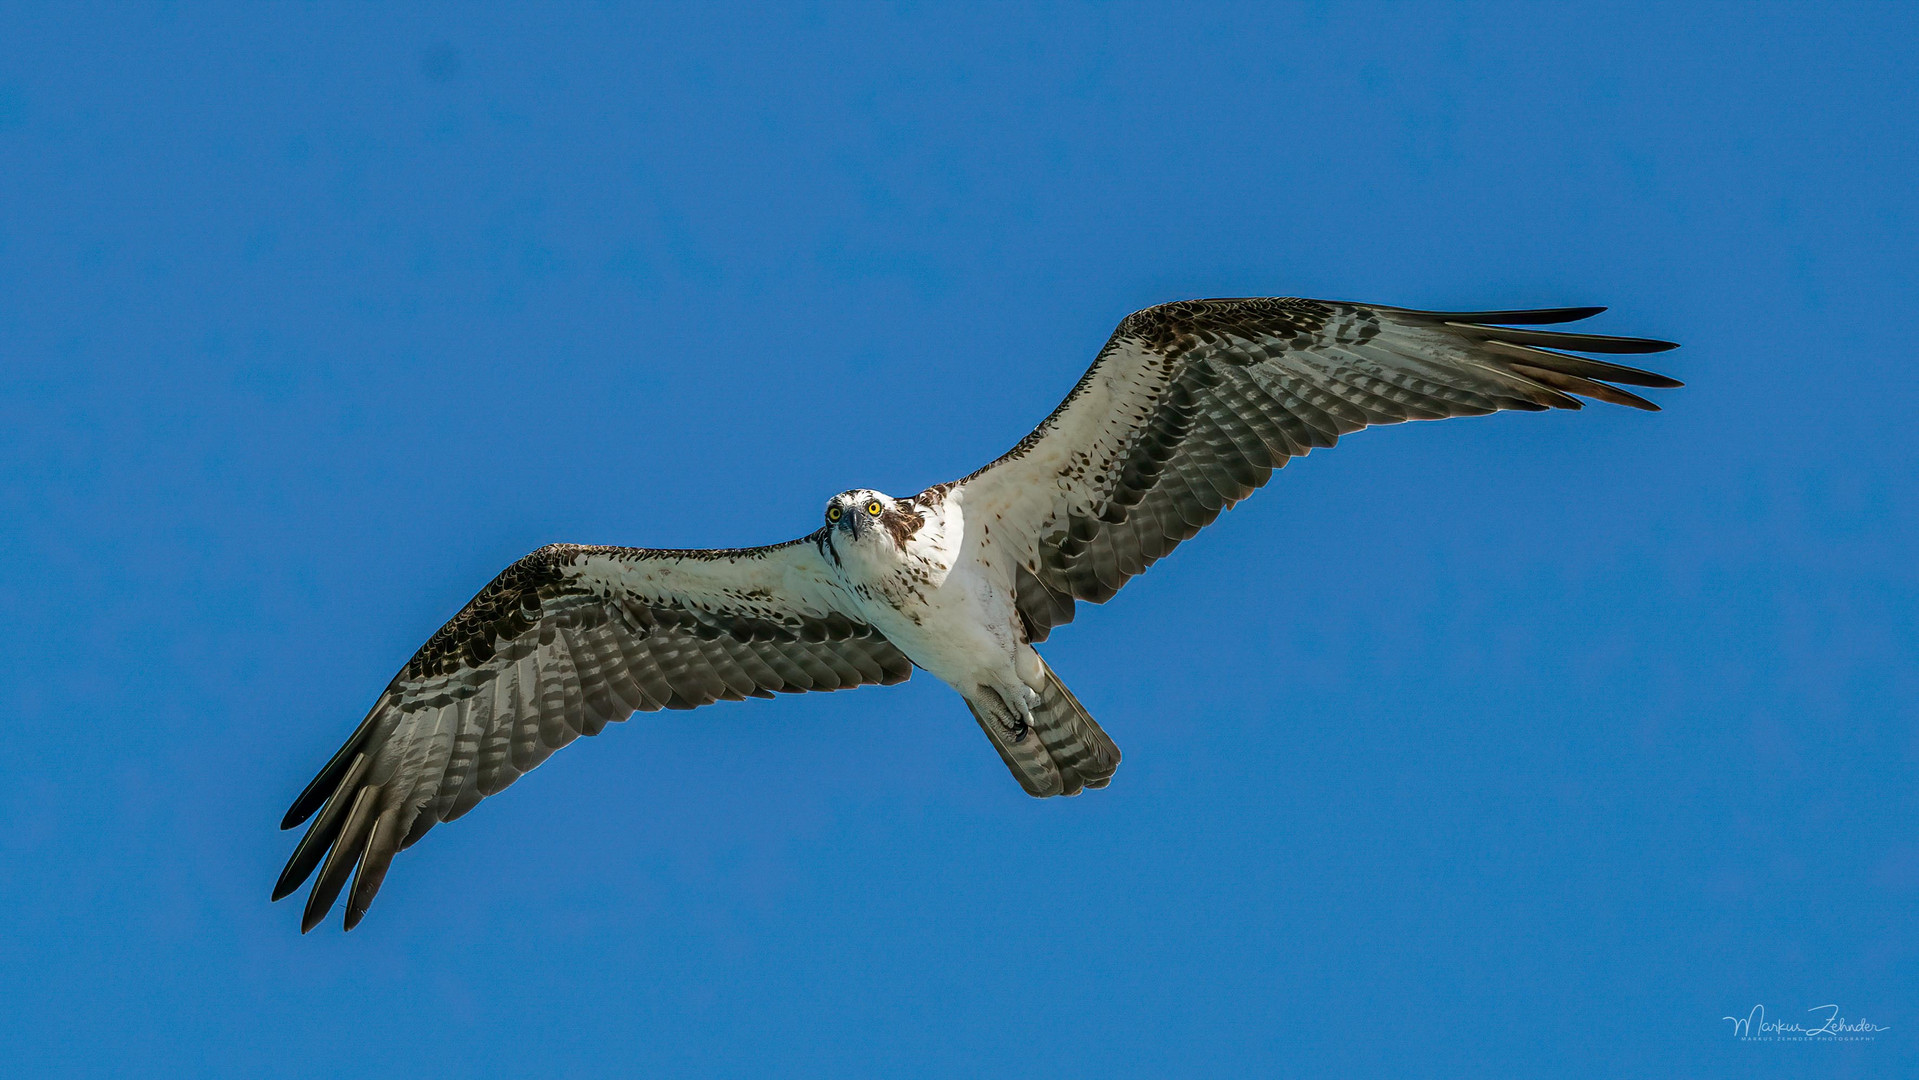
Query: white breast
[[936, 603]]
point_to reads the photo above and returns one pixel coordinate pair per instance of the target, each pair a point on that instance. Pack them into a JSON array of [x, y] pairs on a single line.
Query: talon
[[1017, 729]]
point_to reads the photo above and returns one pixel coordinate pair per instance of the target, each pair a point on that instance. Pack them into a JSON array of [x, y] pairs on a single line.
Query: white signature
[[1754, 1027]]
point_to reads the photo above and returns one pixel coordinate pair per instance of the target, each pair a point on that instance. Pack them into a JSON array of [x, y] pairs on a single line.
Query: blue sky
[[1526, 745]]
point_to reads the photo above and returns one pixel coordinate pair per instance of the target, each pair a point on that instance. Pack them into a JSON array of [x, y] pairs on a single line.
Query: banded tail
[[1062, 751]]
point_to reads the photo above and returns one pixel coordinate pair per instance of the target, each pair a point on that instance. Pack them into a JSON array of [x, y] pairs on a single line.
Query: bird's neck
[[901, 570]]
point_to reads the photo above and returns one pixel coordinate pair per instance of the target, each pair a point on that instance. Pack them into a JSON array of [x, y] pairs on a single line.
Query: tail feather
[[1061, 752], [1026, 757], [1083, 749]]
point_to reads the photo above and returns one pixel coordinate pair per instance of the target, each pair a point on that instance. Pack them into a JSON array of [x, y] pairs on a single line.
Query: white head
[[864, 516]]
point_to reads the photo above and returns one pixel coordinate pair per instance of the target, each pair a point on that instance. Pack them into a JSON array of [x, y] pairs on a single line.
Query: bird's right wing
[[1192, 405], [562, 642]]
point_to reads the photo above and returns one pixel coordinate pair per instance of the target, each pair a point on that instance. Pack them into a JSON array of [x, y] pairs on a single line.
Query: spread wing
[[1192, 405], [562, 642]]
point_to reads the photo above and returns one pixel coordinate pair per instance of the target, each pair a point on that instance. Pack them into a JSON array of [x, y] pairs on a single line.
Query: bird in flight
[[1187, 410]]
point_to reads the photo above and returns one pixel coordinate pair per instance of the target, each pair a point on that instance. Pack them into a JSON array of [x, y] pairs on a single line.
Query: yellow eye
[[873, 508], [832, 513]]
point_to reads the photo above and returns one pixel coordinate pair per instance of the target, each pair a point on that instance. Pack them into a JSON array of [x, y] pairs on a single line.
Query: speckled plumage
[[1188, 409]]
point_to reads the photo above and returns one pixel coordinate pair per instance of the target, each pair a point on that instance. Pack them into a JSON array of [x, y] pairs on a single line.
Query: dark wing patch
[[550, 650], [1225, 391]]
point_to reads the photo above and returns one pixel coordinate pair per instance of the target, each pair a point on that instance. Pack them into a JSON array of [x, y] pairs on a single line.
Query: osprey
[[1187, 410]]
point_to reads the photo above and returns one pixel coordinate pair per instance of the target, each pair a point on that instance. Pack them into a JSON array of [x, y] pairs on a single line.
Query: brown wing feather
[[562, 643], [1192, 405]]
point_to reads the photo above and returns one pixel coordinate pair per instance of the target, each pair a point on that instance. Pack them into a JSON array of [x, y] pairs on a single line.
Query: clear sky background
[[1517, 746]]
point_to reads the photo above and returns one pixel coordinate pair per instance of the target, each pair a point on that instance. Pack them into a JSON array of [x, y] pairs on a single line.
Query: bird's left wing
[[1192, 405], [562, 642]]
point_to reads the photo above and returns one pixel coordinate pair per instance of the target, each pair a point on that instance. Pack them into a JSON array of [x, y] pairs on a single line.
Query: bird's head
[[862, 515]]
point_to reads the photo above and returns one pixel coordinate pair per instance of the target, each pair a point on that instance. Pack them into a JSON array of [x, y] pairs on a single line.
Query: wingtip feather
[[314, 845], [340, 861], [315, 794], [374, 861]]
